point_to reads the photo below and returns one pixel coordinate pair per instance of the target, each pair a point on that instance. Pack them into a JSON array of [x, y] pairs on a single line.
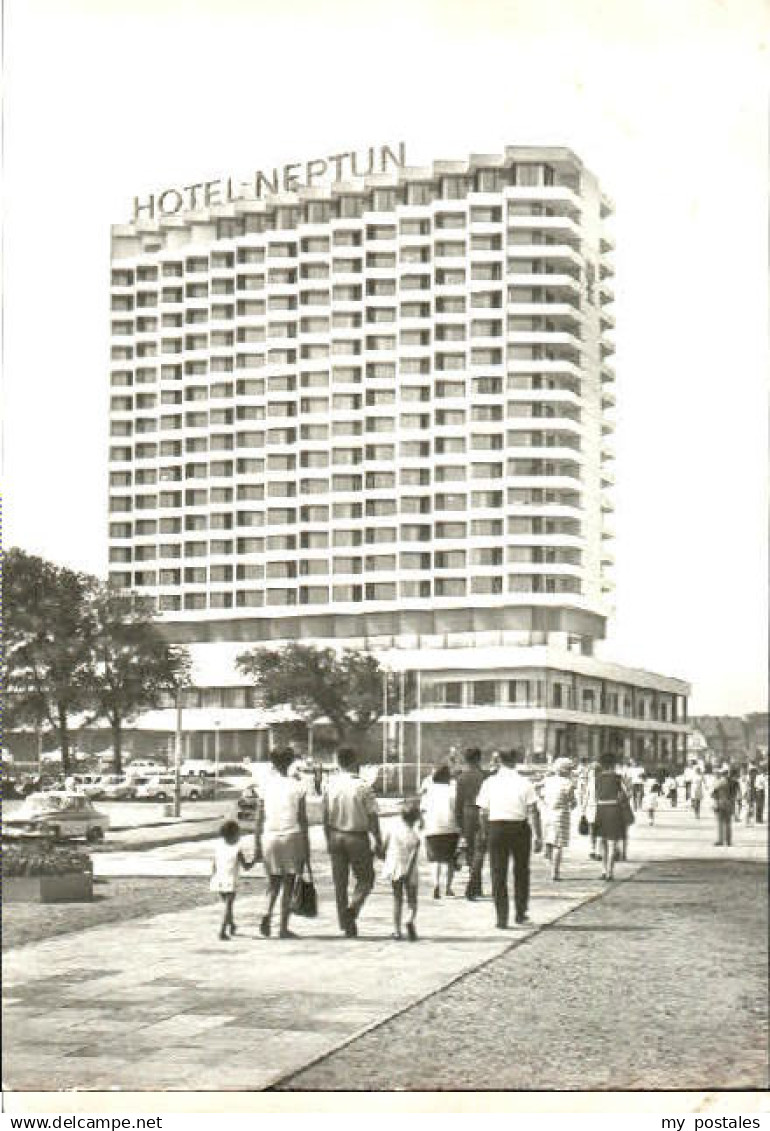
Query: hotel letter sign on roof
[[286, 178]]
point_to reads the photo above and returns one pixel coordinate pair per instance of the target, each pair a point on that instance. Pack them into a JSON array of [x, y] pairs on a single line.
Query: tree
[[133, 667], [47, 629], [317, 683]]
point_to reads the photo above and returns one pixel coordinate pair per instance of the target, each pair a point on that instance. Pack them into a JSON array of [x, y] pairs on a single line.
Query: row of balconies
[[384, 588]]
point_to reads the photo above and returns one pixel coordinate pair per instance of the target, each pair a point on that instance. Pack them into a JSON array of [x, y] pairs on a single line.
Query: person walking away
[[689, 777], [750, 794], [225, 868], [282, 836], [724, 807], [697, 790], [350, 818], [402, 847], [736, 793], [760, 794], [637, 786], [589, 809], [442, 833], [669, 788], [468, 785], [651, 798], [610, 820], [509, 815], [559, 801]]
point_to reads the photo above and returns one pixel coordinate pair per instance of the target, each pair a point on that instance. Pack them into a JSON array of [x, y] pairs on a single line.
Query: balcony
[[555, 253]]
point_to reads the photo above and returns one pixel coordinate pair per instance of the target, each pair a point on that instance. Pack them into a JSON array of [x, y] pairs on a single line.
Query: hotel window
[[318, 211], [450, 559], [417, 194], [454, 188], [249, 599], [351, 207], [315, 245], [347, 537], [450, 587], [486, 586], [451, 530], [250, 546], [486, 271], [415, 310], [484, 692], [450, 250], [415, 282], [450, 277], [381, 232], [415, 227], [229, 229]]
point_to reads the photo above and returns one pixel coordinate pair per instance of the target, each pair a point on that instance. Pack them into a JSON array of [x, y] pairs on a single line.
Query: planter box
[[72, 887]]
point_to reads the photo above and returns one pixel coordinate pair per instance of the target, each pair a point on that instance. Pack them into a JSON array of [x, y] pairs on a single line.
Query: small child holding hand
[[402, 845], [226, 865]]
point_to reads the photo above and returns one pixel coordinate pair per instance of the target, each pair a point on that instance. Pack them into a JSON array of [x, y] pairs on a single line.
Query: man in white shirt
[[349, 817], [508, 807]]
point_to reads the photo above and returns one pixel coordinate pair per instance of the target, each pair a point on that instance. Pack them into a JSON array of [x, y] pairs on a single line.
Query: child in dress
[[227, 863], [402, 845], [651, 791]]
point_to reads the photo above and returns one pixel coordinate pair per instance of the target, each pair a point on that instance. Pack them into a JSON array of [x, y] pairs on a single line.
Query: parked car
[[145, 767], [161, 788], [86, 783], [59, 814], [197, 768], [115, 787]]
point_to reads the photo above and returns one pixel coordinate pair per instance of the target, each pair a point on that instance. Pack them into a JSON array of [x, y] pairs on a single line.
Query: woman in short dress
[[442, 833], [282, 834], [610, 820], [558, 802]]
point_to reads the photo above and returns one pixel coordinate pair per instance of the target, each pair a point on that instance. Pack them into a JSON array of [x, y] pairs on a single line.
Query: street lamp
[[217, 724], [178, 756]]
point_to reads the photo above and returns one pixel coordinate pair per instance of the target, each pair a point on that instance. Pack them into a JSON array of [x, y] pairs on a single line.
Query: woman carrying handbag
[[282, 835]]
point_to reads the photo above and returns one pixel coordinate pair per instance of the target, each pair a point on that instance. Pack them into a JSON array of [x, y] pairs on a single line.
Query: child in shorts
[[651, 793], [225, 867], [402, 845]]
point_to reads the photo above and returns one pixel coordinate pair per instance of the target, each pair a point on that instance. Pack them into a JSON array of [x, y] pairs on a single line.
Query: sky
[[665, 100]]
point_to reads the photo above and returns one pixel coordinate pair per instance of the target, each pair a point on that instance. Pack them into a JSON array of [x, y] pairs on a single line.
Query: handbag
[[626, 811], [583, 828], [304, 900]]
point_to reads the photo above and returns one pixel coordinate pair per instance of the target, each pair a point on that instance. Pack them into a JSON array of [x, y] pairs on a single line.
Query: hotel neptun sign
[[284, 178]]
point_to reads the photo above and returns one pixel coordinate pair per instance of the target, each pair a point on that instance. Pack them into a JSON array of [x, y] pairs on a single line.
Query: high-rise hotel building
[[378, 414]]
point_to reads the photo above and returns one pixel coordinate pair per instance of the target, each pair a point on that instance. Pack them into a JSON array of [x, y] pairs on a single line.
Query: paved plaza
[[160, 1004]]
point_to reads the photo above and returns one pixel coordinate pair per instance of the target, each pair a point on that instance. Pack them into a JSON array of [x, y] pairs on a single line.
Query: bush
[[43, 860]]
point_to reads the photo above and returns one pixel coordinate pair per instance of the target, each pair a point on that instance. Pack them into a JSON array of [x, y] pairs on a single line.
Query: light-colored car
[[89, 784], [114, 787], [161, 788], [197, 768], [59, 814], [144, 767]]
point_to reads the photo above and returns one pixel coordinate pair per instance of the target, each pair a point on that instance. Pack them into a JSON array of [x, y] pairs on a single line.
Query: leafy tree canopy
[[47, 643], [345, 688]]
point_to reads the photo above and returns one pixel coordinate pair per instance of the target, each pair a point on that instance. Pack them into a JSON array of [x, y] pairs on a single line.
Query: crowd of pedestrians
[[463, 813]]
